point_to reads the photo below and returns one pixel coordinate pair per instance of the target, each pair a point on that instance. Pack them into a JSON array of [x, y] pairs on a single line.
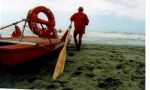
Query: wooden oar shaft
[[66, 43], [12, 24], [17, 42]]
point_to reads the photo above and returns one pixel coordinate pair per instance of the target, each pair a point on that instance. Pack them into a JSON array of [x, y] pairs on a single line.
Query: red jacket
[[80, 21]]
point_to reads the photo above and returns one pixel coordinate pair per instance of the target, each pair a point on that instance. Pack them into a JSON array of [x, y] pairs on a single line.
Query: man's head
[[80, 9]]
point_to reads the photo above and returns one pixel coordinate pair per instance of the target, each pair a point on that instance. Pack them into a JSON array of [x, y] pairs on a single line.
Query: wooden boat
[[19, 48]]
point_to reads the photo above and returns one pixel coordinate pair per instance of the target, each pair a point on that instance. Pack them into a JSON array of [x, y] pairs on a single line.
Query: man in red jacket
[[80, 21]]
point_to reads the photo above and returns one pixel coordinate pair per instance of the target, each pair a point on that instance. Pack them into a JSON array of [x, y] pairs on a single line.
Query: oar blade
[[59, 63], [61, 60]]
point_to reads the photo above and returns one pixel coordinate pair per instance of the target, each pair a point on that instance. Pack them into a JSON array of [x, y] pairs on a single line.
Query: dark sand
[[95, 67]]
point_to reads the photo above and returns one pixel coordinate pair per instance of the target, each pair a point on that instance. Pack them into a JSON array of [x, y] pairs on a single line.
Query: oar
[[17, 42], [12, 24], [61, 59]]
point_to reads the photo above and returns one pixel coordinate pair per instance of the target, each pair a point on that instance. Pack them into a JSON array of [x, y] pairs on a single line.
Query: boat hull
[[13, 54]]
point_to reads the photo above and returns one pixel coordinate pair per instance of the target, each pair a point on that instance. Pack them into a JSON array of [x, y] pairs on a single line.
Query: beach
[[94, 67]]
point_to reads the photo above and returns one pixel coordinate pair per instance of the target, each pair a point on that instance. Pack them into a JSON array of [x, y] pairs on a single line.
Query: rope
[[45, 47]]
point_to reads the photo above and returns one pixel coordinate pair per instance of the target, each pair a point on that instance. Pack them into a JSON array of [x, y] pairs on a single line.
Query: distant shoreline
[[90, 43], [115, 44]]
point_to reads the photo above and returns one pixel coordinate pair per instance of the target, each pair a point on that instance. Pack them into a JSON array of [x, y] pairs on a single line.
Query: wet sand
[[95, 67]]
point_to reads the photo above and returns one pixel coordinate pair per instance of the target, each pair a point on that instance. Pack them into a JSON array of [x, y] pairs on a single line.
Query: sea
[[114, 38], [99, 37]]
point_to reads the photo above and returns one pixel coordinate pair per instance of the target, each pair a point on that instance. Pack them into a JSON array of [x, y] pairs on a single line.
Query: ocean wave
[[114, 38]]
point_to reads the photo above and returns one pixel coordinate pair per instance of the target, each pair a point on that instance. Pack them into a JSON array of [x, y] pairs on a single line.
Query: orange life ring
[[33, 21]]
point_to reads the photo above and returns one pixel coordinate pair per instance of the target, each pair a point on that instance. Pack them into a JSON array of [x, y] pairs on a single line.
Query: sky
[[104, 15]]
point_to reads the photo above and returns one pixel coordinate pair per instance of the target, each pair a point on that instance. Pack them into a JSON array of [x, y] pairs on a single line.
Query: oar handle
[[70, 26]]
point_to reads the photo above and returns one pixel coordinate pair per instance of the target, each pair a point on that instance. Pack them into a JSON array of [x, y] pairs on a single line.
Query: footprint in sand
[[90, 68], [83, 70], [76, 73], [59, 83], [62, 83], [69, 61], [70, 53], [54, 86], [32, 79], [90, 75], [109, 82], [67, 88], [119, 66]]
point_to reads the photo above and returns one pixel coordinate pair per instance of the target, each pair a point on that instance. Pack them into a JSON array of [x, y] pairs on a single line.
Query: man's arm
[[72, 17], [86, 20]]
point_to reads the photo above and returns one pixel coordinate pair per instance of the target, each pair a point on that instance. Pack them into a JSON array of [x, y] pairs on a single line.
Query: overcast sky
[[104, 15]]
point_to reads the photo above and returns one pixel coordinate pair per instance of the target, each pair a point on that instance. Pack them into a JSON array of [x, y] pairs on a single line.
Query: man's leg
[[75, 39], [80, 40]]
